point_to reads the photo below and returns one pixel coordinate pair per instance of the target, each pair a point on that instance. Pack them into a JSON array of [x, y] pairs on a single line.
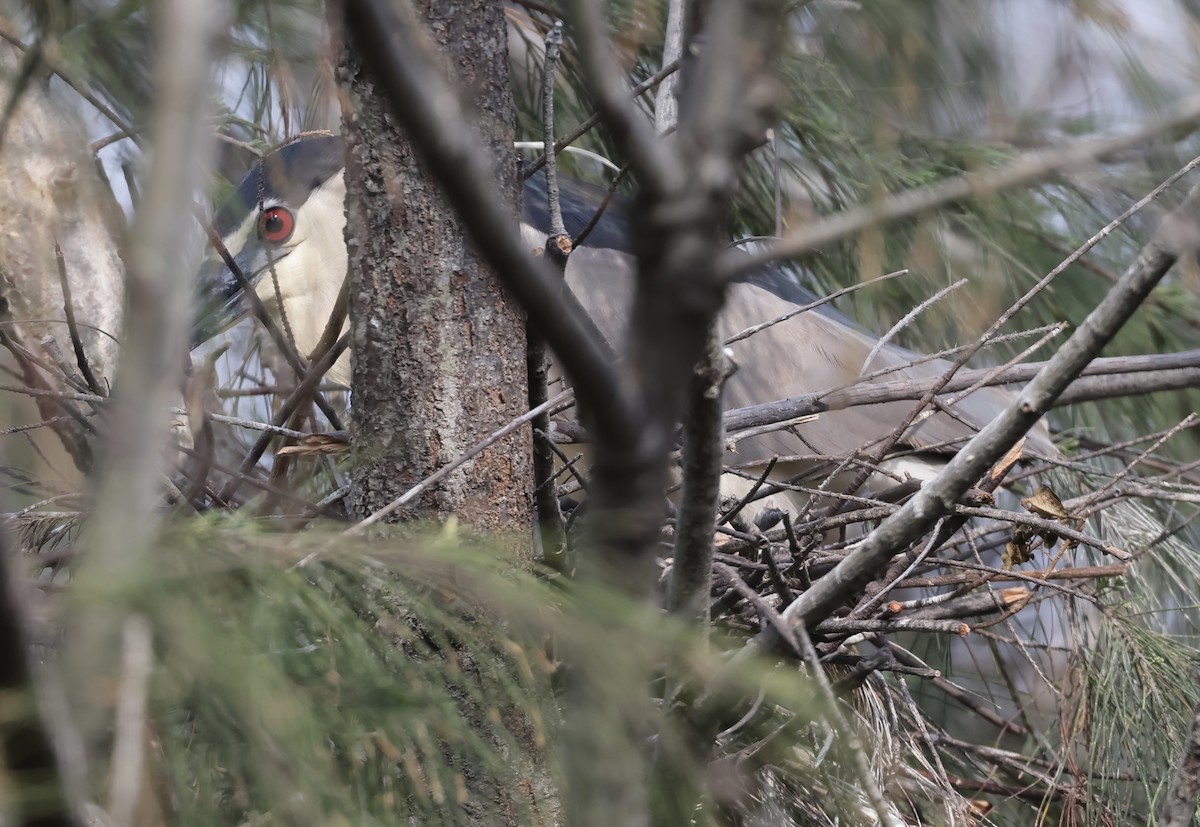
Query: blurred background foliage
[[377, 681]]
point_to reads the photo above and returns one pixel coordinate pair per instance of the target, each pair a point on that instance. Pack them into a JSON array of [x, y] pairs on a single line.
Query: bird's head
[[283, 229]]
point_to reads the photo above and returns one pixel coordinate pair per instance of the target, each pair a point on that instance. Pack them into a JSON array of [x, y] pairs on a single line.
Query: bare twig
[[531, 169], [703, 451], [750, 331], [749, 496], [557, 250], [1024, 170], [127, 513], [81, 357], [906, 320], [1178, 367], [293, 403], [553, 45]]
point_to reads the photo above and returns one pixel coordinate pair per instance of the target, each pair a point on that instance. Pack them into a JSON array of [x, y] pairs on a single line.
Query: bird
[[283, 227]]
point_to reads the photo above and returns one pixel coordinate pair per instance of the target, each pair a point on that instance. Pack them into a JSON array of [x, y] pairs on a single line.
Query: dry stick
[[581, 239], [854, 626], [254, 482], [750, 331], [749, 497], [1078, 572], [38, 387], [974, 605], [1083, 503], [252, 425], [766, 614], [1054, 331], [553, 45], [558, 248], [907, 319], [124, 525], [662, 172], [1179, 234], [875, 600], [331, 345], [703, 452], [1096, 388], [590, 122], [440, 474], [85, 367], [925, 358], [997, 573], [1043, 525], [677, 299], [75, 440], [301, 396], [1170, 370], [269, 390], [703, 427], [568, 464]]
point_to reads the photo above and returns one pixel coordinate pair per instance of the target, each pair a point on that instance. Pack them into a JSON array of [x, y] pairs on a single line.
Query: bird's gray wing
[[809, 353]]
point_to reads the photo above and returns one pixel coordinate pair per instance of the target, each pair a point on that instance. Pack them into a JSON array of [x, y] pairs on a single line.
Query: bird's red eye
[[275, 225]]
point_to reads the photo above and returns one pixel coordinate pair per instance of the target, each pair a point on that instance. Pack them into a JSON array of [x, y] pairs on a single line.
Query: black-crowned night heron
[[288, 212]]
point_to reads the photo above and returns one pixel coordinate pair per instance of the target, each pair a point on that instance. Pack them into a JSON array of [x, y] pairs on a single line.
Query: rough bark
[[438, 350]]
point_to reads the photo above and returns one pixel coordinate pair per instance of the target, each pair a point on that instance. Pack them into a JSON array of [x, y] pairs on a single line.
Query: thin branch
[[906, 320], [81, 357], [300, 396], [750, 331], [853, 750], [531, 169], [1178, 367], [660, 171], [749, 496], [557, 250], [553, 45], [703, 452], [1024, 170]]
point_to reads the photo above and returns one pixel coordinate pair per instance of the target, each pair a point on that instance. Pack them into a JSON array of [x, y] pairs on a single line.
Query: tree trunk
[[438, 349]]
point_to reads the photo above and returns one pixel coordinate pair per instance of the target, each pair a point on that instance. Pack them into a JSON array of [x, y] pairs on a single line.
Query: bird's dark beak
[[219, 301]]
